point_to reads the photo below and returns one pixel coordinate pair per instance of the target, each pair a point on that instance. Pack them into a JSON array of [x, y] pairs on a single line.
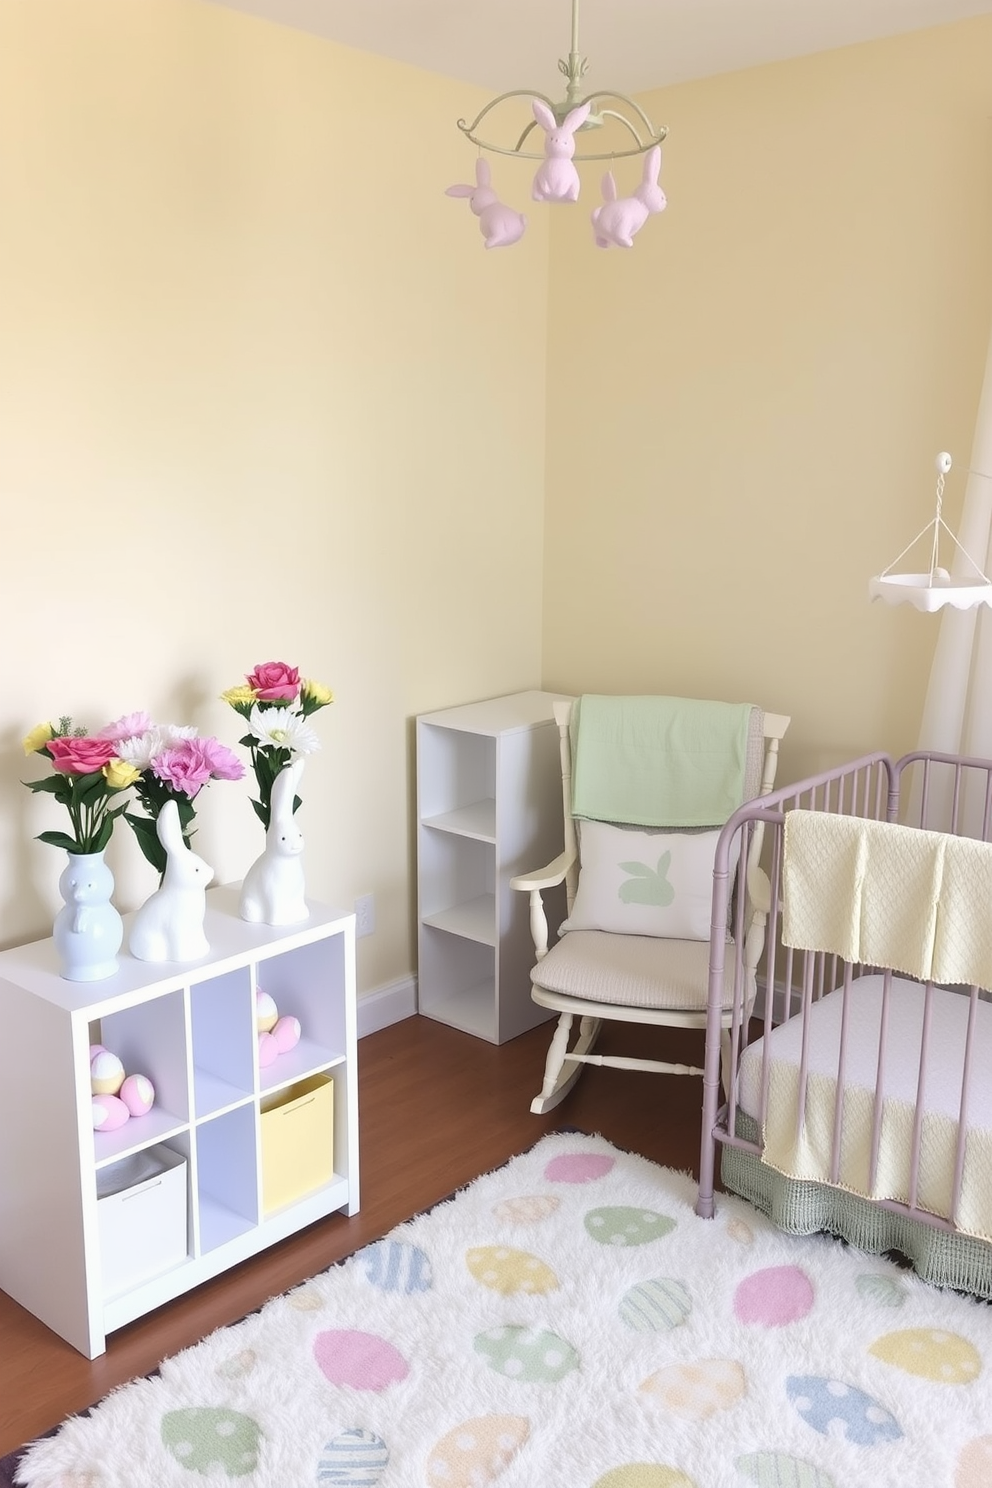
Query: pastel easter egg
[[363, 1361], [578, 1167], [510, 1271], [698, 1390], [931, 1354], [305, 1299], [739, 1232], [655, 1306], [266, 1012], [533, 1355], [268, 1050], [841, 1411], [109, 1113], [239, 1365], [644, 1475], [396, 1266], [353, 1459], [974, 1469], [286, 1033], [207, 1439], [106, 1073], [886, 1291], [773, 1297], [778, 1470], [624, 1226], [476, 1452], [527, 1209], [138, 1094]]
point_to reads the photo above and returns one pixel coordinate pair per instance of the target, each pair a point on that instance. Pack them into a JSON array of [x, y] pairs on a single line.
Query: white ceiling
[[632, 45]]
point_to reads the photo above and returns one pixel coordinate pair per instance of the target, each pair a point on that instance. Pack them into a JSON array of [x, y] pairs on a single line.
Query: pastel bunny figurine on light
[[499, 224], [169, 925], [273, 892], [557, 179], [616, 222]]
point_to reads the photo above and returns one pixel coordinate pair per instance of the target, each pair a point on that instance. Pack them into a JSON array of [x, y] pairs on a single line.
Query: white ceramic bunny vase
[[169, 925], [273, 892]]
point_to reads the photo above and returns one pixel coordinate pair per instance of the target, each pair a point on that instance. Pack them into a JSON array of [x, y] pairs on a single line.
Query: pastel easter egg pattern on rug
[[305, 1299], [644, 1475], [779, 1470], [774, 1297], [885, 1290], [527, 1209], [207, 1439], [655, 1306], [841, 1411], [740, 1232], [532, 1355], [475, 1453], [698, 1390], [353, 1459], [364, 1361], [510, 1271], [974, 1469], [396, 1266], [930, 1354], [578, 1167], [239, 1366], [622, 1226]]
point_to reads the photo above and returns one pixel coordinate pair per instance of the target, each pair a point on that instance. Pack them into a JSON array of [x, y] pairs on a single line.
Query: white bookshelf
[[191, 1029], [489, 806]]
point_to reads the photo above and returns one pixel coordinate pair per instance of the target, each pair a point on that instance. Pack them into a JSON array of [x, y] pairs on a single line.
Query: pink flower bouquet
[[89, 774], [276, 703], [170, 763]]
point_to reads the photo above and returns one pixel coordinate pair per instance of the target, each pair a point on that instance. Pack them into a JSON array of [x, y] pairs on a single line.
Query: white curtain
[[957, 714]]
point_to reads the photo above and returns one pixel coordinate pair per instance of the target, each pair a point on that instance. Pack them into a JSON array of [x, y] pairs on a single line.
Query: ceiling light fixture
[[626, 131], [936, 588]]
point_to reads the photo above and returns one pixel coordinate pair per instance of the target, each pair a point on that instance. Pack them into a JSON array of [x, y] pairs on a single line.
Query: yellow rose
[[236, 695], [119, 774], [38, 738], [317, 693]]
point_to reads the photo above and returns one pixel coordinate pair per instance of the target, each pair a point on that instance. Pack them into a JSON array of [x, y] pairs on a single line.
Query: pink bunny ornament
[[616, 222], [557, 179], [499, 224]]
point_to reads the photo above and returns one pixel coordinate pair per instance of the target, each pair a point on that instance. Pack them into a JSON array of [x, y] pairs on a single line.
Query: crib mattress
[[806, 1154]]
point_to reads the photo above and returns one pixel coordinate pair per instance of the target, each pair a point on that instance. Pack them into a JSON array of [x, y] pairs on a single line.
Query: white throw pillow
[[638, 882]]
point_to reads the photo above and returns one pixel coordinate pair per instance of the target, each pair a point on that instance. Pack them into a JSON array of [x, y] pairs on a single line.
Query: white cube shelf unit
[[191, 1029], [489, 806]]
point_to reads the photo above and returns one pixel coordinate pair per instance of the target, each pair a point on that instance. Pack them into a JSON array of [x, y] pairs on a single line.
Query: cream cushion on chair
[[634, 970]]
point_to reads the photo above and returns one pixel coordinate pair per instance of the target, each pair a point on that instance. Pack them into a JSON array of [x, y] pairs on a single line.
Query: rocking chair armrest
[[547, 877]]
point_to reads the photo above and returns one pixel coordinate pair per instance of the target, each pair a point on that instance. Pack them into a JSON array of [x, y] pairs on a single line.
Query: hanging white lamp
[[935, 588]]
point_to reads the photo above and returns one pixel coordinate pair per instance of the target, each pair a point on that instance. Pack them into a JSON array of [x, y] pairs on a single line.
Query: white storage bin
[[141, 1203]]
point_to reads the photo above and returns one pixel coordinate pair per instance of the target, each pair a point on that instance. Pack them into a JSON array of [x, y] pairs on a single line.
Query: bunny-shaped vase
[[616, 221], [273, 892], [169, 925], [557, 180], [499, 224], [88, 929]]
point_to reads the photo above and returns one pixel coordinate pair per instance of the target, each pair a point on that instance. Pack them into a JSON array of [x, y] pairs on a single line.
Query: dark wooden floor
[[437, 1108]]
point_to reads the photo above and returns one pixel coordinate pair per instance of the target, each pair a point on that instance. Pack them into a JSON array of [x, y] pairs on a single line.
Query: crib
[[852, 1093]]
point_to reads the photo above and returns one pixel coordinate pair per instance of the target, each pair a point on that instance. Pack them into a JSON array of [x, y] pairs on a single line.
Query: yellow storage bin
[[297, 1141]]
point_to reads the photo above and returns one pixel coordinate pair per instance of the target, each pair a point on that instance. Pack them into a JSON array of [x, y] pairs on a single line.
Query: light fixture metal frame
[[574, 69]]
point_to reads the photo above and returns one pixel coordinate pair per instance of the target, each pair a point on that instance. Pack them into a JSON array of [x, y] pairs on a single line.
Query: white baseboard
[[386, 1005]]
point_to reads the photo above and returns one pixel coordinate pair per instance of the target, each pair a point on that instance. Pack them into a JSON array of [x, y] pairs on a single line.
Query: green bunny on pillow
[[648, 885]]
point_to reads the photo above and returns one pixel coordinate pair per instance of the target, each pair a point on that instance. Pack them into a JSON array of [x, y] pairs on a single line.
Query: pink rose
[[82, 756], [274, 681], [183, 766]]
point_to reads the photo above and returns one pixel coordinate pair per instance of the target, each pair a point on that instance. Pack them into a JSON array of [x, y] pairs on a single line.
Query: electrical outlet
[[364, 916]]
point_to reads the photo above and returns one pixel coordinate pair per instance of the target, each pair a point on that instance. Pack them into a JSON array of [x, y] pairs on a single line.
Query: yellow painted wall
[[745, 408], [263, 395]]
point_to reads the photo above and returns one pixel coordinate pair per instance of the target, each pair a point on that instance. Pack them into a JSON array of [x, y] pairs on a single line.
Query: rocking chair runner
[[597, 974]]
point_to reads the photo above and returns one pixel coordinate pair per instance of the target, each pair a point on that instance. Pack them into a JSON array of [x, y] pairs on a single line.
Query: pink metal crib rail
[[944, 793]]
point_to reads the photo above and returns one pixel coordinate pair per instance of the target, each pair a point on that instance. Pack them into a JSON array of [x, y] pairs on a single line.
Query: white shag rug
[[566, 1322]]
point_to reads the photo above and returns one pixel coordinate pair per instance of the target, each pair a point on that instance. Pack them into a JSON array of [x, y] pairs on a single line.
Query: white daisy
[[281, 728]]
